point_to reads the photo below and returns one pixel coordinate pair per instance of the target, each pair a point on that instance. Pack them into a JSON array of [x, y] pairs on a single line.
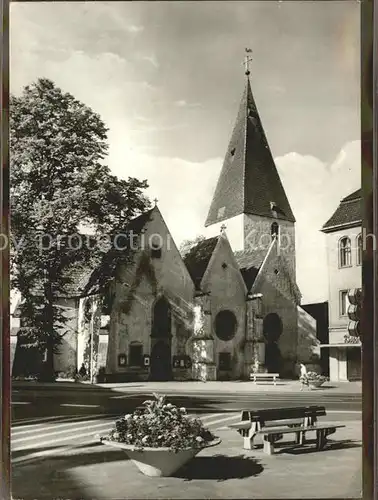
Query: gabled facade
[[223, 287]]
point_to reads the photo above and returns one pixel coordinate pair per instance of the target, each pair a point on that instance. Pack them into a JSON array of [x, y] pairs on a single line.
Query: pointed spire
[[249, 179]]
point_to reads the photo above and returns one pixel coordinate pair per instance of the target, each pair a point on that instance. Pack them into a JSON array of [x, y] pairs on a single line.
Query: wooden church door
[[272, 328], [161, 356]]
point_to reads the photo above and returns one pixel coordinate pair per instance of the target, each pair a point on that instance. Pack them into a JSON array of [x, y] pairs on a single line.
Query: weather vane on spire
[[247, 60]]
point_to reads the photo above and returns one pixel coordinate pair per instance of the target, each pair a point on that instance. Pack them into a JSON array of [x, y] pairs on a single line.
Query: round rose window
[[225, 325], [272, 327]]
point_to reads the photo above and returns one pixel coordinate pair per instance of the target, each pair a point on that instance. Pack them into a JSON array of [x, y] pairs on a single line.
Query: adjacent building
[[344, 250]]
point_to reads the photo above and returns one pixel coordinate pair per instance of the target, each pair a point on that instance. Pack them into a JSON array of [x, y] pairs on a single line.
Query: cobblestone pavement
[[60, 458]]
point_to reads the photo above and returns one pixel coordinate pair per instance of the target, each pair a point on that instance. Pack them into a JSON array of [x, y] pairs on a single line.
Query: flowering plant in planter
[[312, 378], [157, 424]]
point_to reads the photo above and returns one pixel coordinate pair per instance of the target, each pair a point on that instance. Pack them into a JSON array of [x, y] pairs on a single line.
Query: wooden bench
[[252, 421], [264, 376], [274, 434]]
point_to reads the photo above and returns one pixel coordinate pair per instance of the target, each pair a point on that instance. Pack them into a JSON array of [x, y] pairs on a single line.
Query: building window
[[156, 245], [136, 355], [344, 301], [345, 254], [224, 361], [359, 250], [221, 212], [155, 251], [274, 230], [225, 325]]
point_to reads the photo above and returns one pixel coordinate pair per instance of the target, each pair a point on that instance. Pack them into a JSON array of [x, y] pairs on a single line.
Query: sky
[[167, 78]]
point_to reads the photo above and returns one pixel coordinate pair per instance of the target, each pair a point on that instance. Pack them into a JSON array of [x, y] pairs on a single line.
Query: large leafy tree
[[59, 180], [187, 245]]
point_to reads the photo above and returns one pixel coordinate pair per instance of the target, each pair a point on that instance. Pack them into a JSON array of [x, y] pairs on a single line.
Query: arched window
[[156, 245], [345, 254], [274, 230], [225, 325], [359, 250]]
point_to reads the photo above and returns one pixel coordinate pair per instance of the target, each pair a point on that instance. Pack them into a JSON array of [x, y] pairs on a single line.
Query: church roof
[[138, 223], [249, 275], [249, 262], [198, 258], [111, 259], [84, 278], [75, 277], [250, 258], [249, 181], [348, 213]]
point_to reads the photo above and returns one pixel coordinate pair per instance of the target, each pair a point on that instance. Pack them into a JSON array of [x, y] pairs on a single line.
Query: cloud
[[314, 190], [143, 119], [148, 86], [134, 29], [279, 89], [183, 200], [184, 104], [151, 59]]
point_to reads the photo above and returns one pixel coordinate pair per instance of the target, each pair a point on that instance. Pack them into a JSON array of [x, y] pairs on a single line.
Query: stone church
[[229, 307]]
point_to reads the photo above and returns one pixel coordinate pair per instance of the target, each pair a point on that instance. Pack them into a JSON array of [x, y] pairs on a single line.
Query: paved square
[[227, 471]]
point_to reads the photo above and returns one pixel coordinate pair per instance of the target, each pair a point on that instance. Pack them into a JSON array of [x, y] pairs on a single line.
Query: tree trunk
[[49, 374]]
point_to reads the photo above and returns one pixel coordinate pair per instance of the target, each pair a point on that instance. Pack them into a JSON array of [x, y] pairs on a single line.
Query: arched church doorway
[[161, 356], [161, 365], [161, 319], [272, 329]]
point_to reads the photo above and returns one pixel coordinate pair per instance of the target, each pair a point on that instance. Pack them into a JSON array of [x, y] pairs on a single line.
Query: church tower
[[249, 194]]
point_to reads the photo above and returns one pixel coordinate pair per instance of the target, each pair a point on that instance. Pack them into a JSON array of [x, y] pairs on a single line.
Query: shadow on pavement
[[117, 408], [309, 447], [322, 388], [29, 451], [99, 454], [220, 467], [66, 419], [51, 477]]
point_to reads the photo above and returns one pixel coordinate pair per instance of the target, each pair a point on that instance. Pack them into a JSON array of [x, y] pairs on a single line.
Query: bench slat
[[240, 425], [285, 430], [275, 423], [283, 413]]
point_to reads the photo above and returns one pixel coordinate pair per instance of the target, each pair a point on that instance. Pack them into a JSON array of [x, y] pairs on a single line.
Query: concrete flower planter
[[157, 462], [314, 384]]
